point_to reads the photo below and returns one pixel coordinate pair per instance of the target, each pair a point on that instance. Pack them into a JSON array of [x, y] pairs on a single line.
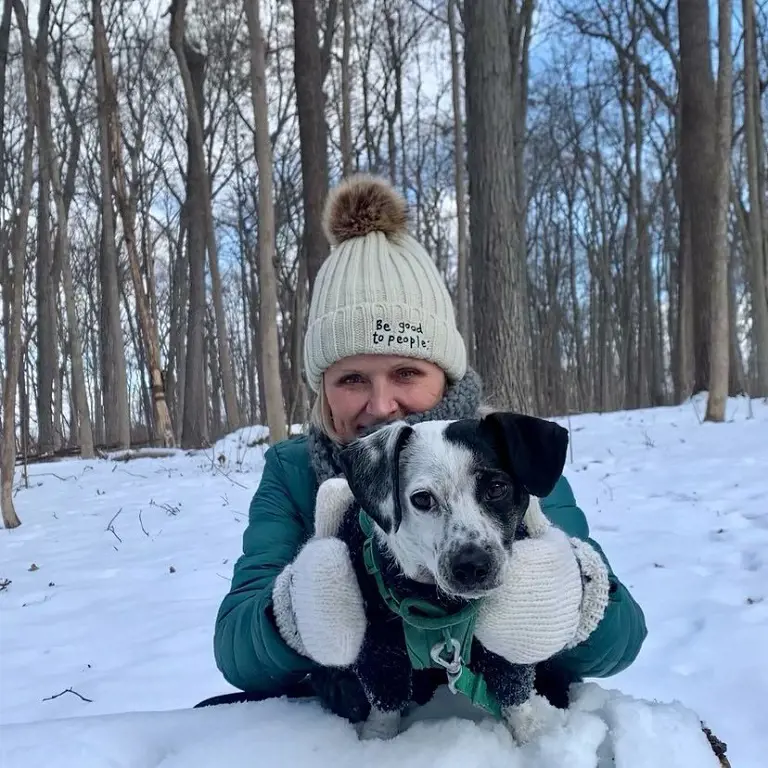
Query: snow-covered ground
[[118, 569]]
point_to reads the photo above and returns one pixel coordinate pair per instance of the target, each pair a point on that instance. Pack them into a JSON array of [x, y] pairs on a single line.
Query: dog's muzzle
[[471, 569]]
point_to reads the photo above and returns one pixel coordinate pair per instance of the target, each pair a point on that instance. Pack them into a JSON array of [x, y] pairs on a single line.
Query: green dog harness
[[434, 637]]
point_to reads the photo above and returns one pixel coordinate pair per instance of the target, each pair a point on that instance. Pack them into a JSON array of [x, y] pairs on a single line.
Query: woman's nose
[[382, 403]]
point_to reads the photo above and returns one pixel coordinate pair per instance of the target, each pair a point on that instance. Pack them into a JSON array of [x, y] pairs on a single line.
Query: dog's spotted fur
[[442, 494]]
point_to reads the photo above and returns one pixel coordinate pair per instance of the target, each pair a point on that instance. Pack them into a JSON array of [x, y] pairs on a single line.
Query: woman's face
[[364, 390]]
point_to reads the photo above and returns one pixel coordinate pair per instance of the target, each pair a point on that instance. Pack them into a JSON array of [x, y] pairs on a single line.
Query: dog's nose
[[471, 566]]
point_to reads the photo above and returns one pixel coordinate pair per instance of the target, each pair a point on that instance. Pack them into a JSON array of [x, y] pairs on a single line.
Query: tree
[[697, 163], [270, 350], [16, 279], [310, 103], [757, 246], [462, 299], [194, 431], [162, 427], [47, 270], [178, 43], [497, 250], [719, 330], [114, 380], [61, 246]]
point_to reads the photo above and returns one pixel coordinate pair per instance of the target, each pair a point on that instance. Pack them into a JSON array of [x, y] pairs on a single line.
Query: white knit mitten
[[554, 595], [316, 599]]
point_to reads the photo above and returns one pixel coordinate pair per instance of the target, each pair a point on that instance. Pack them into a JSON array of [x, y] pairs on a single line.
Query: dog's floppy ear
[[371, 466], [532, 449]]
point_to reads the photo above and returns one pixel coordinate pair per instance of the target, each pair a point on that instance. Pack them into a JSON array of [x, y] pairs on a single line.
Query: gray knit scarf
[[461, 401]]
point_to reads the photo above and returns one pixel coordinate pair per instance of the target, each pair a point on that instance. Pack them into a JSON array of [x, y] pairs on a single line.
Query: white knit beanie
[[378, 292]]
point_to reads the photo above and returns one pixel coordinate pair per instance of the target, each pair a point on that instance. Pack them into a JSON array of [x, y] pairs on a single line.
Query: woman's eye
[[496, 491], [422, 500], [408, 373], [352, 378]]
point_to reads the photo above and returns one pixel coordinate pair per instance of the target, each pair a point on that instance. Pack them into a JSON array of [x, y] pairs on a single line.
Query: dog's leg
[[381, 725], [384, 670], [524, 711], [527, 720]]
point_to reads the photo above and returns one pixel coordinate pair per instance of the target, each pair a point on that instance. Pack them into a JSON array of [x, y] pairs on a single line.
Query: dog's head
[[449, 496]]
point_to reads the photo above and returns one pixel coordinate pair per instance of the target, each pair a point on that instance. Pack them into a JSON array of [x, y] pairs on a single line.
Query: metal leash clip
[[453, 667]]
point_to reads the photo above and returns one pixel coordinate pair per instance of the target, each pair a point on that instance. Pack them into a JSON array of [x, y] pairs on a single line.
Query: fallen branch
[[110, 527], [68, 690]]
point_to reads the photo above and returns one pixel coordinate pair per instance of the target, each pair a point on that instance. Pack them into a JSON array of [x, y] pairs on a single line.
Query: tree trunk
[[459, 171], [194, 433], [179, 46], [18, 261], [346, 91], [163, 429], [758, 257], [53, 166], [697, 148], [720, 337], [46, 279], [310, 103], [270, 351], [497, 254], [117, 418]]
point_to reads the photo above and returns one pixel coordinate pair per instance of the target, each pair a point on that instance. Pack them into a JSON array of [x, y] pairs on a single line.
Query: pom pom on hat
[[362, 204]]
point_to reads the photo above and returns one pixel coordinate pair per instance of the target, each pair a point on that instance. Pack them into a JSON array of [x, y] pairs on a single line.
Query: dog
[[448, 499]]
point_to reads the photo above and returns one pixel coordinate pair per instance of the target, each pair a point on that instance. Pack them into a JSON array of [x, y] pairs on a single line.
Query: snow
[[119, 567]]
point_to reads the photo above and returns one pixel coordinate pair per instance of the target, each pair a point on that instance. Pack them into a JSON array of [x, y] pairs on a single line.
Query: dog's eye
[[496, 490], [422, 500]]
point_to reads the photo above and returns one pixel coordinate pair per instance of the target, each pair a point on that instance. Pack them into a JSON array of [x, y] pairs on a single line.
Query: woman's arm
[[619, 636], [248, 648]]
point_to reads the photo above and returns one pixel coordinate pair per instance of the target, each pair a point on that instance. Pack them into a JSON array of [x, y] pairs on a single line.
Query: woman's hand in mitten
[[316, 599], [554, 595]]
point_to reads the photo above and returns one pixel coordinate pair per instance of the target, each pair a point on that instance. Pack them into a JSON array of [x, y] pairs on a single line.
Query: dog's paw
[[380, 725], [528, 720]]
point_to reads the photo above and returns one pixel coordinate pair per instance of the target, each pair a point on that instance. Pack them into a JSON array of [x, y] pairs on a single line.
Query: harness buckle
[[452, 666]]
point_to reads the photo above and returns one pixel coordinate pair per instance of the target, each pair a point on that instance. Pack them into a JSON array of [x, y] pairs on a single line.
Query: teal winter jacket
[[249, 650]]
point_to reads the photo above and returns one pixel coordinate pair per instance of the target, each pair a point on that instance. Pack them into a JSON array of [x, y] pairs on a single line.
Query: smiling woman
[[381, 346]]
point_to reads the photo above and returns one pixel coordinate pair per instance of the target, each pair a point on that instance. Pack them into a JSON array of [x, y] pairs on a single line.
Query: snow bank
[[602, 728]]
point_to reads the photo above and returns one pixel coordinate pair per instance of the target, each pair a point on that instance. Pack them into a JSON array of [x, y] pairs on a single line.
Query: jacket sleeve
[[248, 648], [618, 638]]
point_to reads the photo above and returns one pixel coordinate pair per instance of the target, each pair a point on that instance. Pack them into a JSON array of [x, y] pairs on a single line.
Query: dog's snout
[[471, 566]]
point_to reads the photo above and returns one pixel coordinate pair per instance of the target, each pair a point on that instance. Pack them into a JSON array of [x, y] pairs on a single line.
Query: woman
[[382, 344]]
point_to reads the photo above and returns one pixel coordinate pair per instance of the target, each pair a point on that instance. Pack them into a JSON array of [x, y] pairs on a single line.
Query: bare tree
[[497, 252], [758, 209], [697, 163], [162, 427], [46, 268], [18, 264], [114, 380], [61, 249], [270, 351], [178, 42], [195, 420], [310, 102], [719, 330], [459, 172], [346, 90]]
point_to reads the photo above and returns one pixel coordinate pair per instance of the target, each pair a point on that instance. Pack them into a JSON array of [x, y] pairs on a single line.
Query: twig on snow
[[110, 527], [68, 690]]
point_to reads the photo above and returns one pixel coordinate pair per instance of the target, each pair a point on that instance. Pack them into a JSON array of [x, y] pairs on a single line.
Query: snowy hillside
[[113, 581]]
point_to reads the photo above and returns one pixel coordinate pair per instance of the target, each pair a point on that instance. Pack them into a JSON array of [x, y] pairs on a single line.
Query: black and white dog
[[448, 499]]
